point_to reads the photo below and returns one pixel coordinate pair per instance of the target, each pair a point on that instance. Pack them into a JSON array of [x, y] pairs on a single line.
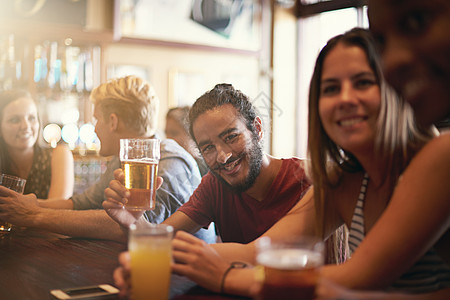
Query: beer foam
[[289, 259], [144, 160]]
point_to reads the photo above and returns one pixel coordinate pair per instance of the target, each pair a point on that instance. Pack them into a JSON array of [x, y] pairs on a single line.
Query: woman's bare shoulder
[[61, 149], [423, 184], [62, 153], [433, 156], [439, 144]]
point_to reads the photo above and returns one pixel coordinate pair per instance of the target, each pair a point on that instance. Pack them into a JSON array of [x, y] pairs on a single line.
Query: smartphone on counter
[[101, 291]]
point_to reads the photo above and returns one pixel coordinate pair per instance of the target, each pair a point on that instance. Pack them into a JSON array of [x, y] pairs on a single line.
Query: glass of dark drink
[[289, 268]]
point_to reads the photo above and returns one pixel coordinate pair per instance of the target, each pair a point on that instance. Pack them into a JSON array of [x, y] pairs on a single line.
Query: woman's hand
[[21, 210]]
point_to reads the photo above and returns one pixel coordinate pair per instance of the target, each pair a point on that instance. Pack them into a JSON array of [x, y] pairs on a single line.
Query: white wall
[[163, 63], [285, 79]]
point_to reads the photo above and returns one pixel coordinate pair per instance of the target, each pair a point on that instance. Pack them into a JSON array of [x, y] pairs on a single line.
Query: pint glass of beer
[[139, 159], [289, 268], [151, 255], [16, 184]]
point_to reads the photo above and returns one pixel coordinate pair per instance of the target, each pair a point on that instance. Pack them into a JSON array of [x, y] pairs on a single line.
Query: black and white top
[[428, 274]]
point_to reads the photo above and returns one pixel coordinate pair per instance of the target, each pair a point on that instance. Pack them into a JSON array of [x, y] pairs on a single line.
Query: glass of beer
[[16, 184], [151, 255], [139, 159], [289, 269]]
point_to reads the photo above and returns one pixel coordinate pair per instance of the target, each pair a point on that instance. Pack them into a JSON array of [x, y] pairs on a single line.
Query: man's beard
[[254, 158]]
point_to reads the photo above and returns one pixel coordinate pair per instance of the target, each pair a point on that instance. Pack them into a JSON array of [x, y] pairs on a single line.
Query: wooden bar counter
[[33, 262]]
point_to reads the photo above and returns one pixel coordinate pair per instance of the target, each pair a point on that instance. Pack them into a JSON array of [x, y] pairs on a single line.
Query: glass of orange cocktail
[[151, 255]]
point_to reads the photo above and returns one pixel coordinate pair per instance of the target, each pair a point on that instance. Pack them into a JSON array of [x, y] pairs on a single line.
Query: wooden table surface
[[33, 262]]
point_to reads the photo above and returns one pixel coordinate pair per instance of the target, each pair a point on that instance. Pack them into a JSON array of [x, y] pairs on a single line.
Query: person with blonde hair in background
[[49, 172], [126, 107]]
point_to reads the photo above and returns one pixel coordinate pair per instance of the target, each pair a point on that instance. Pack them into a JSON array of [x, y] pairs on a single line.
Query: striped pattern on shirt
[[357, 227], [430, 273]]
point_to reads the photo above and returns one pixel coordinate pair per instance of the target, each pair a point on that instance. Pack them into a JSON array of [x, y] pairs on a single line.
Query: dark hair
[[6, 97], [9, 96], [181, 115], [220, 95]]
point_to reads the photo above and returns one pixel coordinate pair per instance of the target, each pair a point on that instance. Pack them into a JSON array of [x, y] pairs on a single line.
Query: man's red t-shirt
[[239, 217]]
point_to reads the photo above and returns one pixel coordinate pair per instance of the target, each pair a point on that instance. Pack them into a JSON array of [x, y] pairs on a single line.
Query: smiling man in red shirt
[[246, 190]]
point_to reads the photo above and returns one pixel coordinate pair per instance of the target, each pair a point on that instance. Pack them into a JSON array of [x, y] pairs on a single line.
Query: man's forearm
[[56, 203], [240, 282], [181, 221], [79, 223], [236, 252]]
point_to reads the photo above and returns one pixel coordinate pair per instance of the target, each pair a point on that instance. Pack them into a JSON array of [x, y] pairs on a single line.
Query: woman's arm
[[206, 264], [417, 215], [330, 290], [62, 181], [300, 220]]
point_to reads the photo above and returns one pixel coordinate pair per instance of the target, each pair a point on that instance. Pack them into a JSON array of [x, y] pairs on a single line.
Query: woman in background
[[49, 172], [177, 128]]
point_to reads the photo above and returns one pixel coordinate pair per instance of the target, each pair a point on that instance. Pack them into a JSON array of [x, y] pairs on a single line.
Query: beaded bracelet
[[233, 265]]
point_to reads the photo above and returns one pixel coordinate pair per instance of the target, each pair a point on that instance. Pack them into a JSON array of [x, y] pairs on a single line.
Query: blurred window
[[314, 30]]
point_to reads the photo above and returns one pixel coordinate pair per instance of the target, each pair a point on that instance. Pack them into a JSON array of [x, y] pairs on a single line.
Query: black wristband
[[233, 265]]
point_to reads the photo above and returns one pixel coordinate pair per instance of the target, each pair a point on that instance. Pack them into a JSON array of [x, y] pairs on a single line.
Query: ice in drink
[[289, 273], [140, 179], [16, 184], [5, 226]]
